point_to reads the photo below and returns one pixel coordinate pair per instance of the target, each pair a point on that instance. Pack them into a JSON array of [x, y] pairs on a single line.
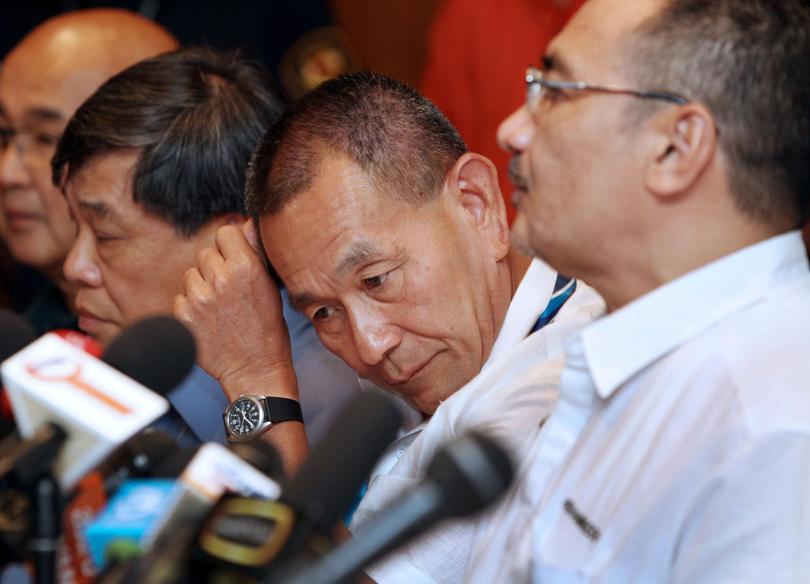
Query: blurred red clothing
[[478, 52]]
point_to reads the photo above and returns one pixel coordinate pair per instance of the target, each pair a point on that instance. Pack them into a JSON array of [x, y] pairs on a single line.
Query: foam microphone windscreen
[[261, 455], [157, 352], [174, 465], [15, 334], [138, 457], [329, 479], [473, 471]]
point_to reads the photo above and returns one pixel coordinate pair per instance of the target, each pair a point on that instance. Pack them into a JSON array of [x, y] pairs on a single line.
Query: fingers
[[209, 263], [232, 243], [196, 287], [182, 311]]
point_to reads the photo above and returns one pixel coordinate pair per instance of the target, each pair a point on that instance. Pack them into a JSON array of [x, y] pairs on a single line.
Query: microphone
[[466, 475], [15, 334], [179, 507], [133, 353], [52, 382], [97, 406], [263, 534], [21, 468], [138, 457]]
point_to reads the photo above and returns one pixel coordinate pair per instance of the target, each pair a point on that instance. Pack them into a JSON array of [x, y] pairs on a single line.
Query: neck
[[654, 264], [518, 266]]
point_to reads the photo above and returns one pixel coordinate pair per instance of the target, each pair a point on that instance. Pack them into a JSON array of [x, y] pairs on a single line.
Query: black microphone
[[138, 457], [157, 352], [261, 455], [466, 475], [15, 334], [261, 535]]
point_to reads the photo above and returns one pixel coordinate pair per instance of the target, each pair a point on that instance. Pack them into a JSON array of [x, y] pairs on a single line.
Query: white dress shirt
[[680, 449], [515, 390]]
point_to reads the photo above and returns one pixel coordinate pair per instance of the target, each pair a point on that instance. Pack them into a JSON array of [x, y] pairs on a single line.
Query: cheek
[[140, 285], [342, 345]]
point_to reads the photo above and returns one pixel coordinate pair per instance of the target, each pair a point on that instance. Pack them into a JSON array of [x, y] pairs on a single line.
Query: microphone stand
[[29, 469], [47, 528]]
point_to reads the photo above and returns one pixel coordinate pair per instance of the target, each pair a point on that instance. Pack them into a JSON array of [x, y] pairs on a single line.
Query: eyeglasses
[[537, 88], [38, 146]]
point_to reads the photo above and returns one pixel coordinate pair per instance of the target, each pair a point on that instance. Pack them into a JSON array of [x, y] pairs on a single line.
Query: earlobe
[[686, 145]]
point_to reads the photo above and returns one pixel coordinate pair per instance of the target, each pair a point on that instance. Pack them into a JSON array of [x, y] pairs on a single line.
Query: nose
[[81, 266], [13, 172], [374, 338], [516, 132]]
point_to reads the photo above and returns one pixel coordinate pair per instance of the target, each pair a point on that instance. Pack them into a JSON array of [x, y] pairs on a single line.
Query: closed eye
[[46, 139], [105, 238]]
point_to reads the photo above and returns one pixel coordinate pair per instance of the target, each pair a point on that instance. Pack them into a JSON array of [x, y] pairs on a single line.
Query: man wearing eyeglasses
[[42, 82], [674, 179]]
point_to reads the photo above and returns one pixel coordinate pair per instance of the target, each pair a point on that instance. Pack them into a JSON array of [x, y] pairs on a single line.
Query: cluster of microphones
[[90, 492]]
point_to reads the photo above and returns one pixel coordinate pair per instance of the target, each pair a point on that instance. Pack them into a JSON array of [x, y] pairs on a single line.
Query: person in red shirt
[[477, 53]]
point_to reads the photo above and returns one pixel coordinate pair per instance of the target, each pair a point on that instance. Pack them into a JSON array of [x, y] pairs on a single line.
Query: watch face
[[244, 417]]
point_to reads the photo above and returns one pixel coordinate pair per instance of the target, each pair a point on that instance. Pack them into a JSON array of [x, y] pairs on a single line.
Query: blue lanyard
[[563, 290]]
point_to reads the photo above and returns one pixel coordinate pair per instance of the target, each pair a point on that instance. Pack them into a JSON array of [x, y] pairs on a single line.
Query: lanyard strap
[[563, 290]]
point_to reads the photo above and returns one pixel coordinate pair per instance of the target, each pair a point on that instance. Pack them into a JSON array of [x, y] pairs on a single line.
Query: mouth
[[412, 373], [16, 219], [518, 180], [90, 322]]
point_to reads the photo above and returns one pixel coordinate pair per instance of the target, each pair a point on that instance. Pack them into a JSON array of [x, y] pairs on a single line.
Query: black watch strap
[[282, 409]]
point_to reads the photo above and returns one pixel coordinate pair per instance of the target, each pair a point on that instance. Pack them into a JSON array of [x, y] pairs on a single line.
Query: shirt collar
[[529, 301], [621, 344]]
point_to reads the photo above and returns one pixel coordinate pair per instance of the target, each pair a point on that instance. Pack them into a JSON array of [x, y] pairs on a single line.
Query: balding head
[[43, 80]]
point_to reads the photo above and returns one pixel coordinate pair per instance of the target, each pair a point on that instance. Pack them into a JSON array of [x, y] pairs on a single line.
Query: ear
[[685, 145], [472, 185]]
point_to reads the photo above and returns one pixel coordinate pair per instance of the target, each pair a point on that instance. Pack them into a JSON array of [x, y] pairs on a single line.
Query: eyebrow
[[299, 301], [359, 252], [43, 114], [95, 208]]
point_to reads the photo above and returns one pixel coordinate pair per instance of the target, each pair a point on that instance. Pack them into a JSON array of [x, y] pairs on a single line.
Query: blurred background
[[468, 56]]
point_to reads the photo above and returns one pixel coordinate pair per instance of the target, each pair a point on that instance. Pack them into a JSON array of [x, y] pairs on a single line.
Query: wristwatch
[[250, 415]]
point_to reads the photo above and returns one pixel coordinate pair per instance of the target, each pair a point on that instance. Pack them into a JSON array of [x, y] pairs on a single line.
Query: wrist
[[271, 381]]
